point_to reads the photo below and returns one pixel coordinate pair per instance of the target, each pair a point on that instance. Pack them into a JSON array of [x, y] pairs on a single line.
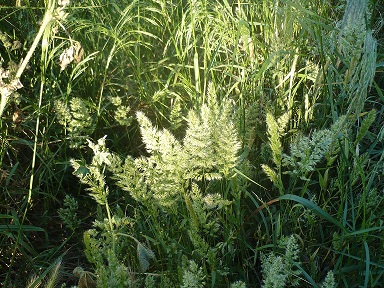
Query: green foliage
[[210, 151], [238, 284], [76, 119], [185, 174], [193, 275], [365, 125], [200, 161], [307, 152], [122, 112], [49, 278], [68, 213], [105, 246], [275, 129], [279, 270], [144, 254], [194, 97], [353, 58], [329, 281], [275, 274]]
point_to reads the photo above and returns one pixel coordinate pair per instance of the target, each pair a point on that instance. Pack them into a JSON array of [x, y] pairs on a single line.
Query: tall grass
[[239, 134]]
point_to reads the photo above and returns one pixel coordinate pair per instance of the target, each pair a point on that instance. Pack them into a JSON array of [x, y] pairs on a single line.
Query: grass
[[172, 85]]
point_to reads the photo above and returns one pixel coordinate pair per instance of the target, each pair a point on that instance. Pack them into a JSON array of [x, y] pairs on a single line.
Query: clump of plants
[[196, 143], [191, 187]]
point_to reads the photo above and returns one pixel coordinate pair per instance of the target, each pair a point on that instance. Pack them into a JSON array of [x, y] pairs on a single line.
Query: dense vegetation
[[191, 143]]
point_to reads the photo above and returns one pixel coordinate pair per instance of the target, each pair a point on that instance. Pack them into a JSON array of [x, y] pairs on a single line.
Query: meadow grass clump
[[223, 143], [189, 175]]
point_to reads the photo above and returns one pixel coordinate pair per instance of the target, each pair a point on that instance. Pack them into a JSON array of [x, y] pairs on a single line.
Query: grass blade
[[316, 209], [367, 261]]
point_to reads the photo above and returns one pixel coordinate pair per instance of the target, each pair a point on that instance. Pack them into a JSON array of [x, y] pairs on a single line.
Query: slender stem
[[109, 215], [47, 19]]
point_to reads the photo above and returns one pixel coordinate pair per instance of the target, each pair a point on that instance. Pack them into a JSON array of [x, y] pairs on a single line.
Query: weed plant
[[191, 143]]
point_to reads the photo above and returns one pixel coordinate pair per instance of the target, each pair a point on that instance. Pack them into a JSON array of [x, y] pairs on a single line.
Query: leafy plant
[[194, 97], [278, 270], [185, 174]]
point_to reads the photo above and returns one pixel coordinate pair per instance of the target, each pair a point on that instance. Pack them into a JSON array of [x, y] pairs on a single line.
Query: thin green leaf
[[316, 209], [367, 261]]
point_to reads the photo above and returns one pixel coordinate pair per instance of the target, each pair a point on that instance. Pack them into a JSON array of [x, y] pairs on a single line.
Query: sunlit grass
[[303, 88]]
